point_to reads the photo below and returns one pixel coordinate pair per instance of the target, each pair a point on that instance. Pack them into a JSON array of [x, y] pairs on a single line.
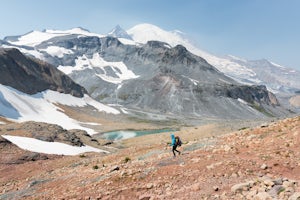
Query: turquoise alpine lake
[[121, 135]]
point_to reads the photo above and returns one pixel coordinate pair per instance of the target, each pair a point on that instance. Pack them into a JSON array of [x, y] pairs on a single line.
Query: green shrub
[[127, 159], [95, 167], [243, 128]]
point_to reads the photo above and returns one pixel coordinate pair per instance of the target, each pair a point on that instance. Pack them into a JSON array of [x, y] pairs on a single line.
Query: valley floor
[[217, 162]]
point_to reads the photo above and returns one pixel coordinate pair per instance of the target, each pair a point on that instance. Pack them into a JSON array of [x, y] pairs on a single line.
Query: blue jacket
[[173, 140]]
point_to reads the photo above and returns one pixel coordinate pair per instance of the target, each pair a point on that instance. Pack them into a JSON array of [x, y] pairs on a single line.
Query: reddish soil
[[208, 168]]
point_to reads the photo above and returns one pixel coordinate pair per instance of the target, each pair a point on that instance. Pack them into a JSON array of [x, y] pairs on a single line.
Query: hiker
[[175, 142]]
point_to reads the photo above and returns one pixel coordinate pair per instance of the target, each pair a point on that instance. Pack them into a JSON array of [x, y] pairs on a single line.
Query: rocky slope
[[252, 163], [278, 78], [32, 76], [165, 80], [282, 81]]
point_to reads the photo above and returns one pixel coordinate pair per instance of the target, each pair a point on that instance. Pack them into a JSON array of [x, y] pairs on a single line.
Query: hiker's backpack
[[178, 141]]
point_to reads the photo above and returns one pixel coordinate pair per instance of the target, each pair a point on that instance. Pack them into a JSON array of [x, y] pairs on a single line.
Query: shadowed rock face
[[32, 76]]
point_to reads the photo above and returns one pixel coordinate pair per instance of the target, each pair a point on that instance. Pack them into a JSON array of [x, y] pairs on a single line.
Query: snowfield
[[119, 68], [41, 107], [57, 51], [69, 100], [35, 53], [37, 37], [40, 146]]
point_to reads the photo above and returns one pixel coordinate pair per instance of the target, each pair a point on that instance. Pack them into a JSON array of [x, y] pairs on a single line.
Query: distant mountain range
[[149, 69]]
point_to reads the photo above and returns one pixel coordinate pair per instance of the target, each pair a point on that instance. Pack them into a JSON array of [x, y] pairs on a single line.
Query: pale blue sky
[[251, 29]]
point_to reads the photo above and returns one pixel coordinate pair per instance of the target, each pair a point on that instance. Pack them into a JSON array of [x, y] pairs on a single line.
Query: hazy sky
[[251, 29]]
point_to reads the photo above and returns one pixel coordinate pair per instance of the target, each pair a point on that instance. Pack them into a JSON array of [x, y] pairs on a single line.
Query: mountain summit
[[247, 72], [119, 32]]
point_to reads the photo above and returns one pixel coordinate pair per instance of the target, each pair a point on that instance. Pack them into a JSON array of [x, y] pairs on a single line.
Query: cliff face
[[31, 76]]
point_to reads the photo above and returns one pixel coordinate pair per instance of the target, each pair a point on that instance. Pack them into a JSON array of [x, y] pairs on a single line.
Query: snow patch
[[40, 146], [69, 100], [91, 123], [195, 82], [242, 101], [119, 68], [127, 42], [81, 63], [34, 53], [277, 65], [119, 135], [57, 51], [100, 106], [119, 86], [124, 111], [167, 46]]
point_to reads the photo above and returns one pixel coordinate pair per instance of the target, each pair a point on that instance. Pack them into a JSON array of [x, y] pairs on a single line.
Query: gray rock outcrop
[[32, 76]]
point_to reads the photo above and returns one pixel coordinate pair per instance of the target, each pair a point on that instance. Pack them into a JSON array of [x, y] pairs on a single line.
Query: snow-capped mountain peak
[[143, 33], [32, 38], [77, 31], [119, 32]]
